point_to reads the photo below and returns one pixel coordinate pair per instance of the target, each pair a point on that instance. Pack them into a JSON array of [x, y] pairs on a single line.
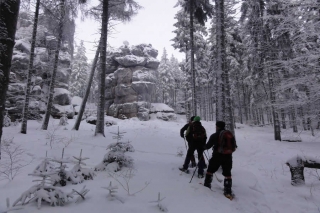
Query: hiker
[[223, 143], [189, 140], [198, 136]]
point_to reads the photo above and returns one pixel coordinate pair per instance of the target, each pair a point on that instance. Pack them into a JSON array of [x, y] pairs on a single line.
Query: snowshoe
[[184, 170]]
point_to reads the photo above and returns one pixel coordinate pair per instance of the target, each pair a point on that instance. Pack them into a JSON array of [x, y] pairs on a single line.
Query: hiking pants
[[190, 152], [223, 160]]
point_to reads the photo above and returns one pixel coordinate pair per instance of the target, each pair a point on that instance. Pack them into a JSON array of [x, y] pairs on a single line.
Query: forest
[[248, 61]]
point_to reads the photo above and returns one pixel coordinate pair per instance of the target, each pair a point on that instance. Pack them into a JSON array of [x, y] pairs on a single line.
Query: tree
[[9, 11], [86, 95], [55, 66], [200, 10], [25, 111], [79, 72]]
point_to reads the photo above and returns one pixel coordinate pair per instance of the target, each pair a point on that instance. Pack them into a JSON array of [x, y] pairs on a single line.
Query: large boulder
[[58, 111], [123, 75], [61, 96]]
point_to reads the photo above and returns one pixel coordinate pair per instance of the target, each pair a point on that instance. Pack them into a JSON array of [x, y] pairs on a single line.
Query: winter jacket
[[214, 141], [185, 128]]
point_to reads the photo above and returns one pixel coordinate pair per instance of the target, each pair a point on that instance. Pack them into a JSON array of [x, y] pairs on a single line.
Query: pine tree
[[9, 11], [79, 73]]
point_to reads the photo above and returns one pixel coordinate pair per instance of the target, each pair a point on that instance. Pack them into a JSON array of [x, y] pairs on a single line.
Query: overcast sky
[[153, 25]]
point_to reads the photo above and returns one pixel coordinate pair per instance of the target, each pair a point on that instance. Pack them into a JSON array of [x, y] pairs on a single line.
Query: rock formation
[[131, 79]]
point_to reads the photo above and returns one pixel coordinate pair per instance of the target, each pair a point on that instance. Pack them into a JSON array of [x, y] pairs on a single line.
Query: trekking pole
[[194, 173], [219, 180]]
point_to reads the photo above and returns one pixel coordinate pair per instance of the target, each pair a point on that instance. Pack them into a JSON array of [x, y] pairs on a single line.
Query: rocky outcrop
[[130, 83], [44, 53]]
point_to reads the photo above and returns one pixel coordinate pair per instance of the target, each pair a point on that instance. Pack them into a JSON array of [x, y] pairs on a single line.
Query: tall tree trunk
[[220, 42], [55, 67], [276, 122], [103, 56], [85, 98], [193, 71], [239, 99], [283, 119], [294, 119], [9, 11], [25, 112]]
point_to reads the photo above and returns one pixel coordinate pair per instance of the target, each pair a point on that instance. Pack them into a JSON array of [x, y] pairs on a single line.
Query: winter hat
[[221, 124], [191, 119], [197, 118]]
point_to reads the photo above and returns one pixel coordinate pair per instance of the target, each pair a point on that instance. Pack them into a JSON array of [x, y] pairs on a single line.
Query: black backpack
[[198, 131], [227, 142]]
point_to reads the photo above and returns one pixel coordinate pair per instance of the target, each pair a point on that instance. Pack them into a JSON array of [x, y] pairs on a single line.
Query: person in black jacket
[[195, 144], [189, 140], [219, 159]]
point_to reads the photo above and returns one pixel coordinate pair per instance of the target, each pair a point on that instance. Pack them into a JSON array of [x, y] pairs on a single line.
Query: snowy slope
[[261, 180]]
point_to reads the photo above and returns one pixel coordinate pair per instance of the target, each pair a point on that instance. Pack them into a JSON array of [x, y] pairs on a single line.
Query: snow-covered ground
[[261, 180]]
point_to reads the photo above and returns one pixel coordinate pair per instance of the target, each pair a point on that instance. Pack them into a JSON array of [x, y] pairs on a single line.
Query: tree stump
[[297, 165]]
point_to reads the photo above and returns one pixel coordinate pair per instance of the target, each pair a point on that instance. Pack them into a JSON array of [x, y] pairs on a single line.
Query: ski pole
[[194, 173]]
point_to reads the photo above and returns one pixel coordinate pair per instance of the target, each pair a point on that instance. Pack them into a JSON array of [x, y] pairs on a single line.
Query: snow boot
[[208, 180], [227, 186], [200, 176]]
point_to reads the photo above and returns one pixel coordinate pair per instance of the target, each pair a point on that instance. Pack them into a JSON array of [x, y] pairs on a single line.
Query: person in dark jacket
[[195, 144], [218, 159], [188, 138]]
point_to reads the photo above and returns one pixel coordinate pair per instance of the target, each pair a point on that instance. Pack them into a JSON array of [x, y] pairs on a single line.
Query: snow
[[76, 101], [261, 178], [160, 107]]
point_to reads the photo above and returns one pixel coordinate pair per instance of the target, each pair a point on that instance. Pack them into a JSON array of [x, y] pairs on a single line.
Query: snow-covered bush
[[116, 155], [6, 120], [121, 146], [112, 193], [63, 120], [78, 171]]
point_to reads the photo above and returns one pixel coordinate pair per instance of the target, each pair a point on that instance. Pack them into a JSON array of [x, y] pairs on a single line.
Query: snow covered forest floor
[[261, 179]]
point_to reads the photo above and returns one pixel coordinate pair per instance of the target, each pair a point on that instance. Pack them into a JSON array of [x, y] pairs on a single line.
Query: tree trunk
[[9, 11], [297, 166], [25, 112], [294, 119], [276, 122], [85, 98], [55, 66], [220, 42], [193, 71], [103, 56], [283, 119]]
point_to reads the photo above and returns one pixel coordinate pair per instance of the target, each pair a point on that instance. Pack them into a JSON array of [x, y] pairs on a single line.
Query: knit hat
[[191, 119], [197, 118], [221, 124]]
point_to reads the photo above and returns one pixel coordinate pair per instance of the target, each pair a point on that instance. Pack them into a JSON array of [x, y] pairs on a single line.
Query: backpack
[[198, 131], [227, 142]]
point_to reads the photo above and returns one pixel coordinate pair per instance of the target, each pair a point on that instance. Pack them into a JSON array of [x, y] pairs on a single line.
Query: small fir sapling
[[10, 209], [63, 175], [6, 120], [78, 171], [45, 166], [63, 120], [160, 205], [112, 193], [43, 192], [115, 159]]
